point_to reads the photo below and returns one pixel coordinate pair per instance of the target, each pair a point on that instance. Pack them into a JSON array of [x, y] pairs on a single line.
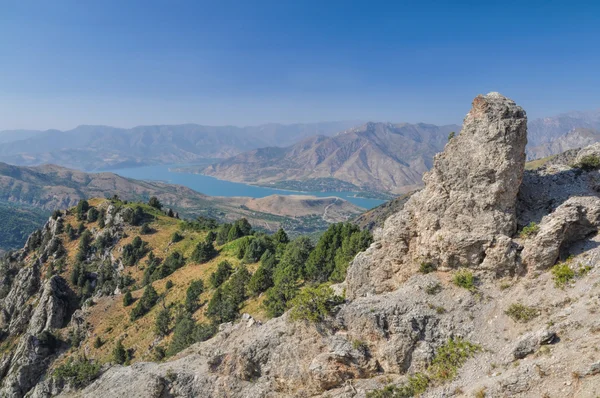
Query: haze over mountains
[[344, 156], [380, 157], [102, 147]]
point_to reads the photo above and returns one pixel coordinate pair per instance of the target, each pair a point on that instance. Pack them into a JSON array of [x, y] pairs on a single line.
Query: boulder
[[571, 221]]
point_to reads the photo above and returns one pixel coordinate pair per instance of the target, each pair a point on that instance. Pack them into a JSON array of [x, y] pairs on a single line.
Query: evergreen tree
[[223, 272], [187, 332], [211, 236], [203, 252], [84, 245], [163, 319], [127, 299], [281, 237], [192, 295], [223, 234], [145, 304], [119, 354], [234, 233], [82, 207], [154, 202], [92, 214]]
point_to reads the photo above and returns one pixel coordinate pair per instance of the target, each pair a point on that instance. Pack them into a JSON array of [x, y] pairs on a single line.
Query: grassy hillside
[[248, 272]]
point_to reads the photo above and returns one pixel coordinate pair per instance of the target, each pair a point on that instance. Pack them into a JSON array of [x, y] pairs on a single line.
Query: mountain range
[[379, 157], [376, 158], [102, 147]]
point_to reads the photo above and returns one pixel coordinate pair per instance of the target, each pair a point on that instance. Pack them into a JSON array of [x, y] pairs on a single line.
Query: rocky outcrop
[[466, 209], [572, 221]]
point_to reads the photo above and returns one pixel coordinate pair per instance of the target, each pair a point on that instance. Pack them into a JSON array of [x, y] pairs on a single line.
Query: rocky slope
[[102, 147], [449, 301], [380, 157]]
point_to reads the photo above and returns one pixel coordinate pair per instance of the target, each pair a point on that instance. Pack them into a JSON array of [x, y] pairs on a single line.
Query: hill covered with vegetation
[[143, 285]]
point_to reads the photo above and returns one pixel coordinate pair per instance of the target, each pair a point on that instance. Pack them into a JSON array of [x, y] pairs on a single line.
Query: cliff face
[[533, 328]]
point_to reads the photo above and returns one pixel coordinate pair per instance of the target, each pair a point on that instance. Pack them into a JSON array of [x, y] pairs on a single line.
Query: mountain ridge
[[374, 157]]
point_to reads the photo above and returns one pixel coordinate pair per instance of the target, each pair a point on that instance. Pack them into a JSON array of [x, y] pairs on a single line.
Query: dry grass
[[111, 321]]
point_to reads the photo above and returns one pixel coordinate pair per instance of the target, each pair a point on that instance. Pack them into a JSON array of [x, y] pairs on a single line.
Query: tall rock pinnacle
[[465, 213]]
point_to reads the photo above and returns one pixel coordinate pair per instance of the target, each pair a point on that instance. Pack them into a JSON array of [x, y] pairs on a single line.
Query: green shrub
[[154, 202], [450, 357], [415, 386], [451, 135], [226, 301], [562, 274], [224, 270], [187, 332], [127, 299], [82, 208], [521, 313], [78, 373], [145, 304], [426, 268], [529, 230], [120, 355], [203, 252], [162, 322], [314, 304], [134, 251], [589, 162], [145, 229], [176, 237], [98, 342], [464, 278], [192, 294], [433, 288], [169, 284]]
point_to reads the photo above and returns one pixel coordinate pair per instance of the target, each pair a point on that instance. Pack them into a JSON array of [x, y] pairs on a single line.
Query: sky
[[128, 63]]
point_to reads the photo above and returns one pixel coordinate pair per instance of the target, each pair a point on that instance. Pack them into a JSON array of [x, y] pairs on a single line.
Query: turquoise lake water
[[214, 187]]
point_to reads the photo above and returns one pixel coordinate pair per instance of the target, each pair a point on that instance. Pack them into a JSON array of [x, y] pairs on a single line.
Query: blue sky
[[126, 63]]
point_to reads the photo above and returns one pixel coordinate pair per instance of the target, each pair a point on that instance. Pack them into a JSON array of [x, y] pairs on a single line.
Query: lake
[[215, 187]]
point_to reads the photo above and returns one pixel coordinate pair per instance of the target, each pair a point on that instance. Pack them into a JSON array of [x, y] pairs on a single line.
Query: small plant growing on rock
[[415, 386], [314, 304], [433, 288], [562, 274], [465, 279], [450, 357], [529, 230], [521, 313], [78, 373], [360, 345], [589, 162], [426, 268]]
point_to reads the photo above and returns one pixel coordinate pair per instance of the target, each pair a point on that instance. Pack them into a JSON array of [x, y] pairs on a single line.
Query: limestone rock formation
[[467, 208]]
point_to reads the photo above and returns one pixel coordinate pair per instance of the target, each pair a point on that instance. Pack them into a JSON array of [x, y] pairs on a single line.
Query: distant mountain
[[576, 138], [379, 157], [102, 147], [552, 135], [17, 135]]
